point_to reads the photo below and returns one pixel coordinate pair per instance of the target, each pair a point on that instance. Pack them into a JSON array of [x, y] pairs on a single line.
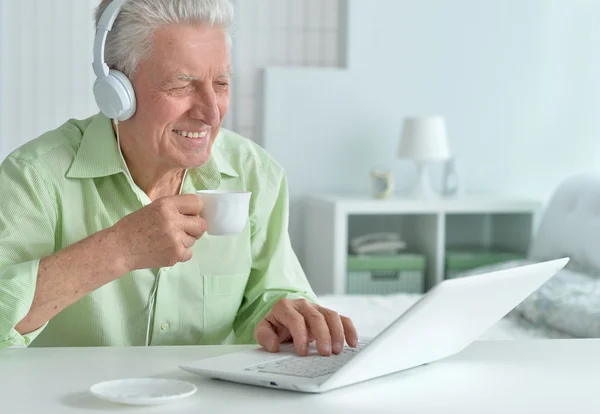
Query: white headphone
[[112, 89]]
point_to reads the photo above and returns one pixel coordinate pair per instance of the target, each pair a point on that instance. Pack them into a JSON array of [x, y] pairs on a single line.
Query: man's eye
[[180, 88]]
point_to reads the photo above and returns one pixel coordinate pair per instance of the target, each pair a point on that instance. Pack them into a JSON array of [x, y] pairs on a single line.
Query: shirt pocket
[[223, 295]]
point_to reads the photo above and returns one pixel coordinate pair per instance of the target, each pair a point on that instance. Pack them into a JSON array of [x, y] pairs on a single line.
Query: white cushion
[[570, 225], [569, 303]]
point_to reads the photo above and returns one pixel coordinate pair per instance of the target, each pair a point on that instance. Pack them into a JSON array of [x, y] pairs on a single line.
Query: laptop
[[447, 319]]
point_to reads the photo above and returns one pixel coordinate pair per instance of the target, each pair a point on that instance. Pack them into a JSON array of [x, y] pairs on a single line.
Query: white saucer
[[143, 391]]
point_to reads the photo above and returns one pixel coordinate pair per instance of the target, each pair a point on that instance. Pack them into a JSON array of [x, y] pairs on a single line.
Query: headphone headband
[[105, 24]]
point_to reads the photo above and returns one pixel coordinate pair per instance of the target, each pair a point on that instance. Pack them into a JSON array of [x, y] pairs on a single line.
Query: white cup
[[225, 211]]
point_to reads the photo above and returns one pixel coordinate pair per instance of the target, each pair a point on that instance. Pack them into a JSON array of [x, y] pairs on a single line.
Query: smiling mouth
[[192, 134]]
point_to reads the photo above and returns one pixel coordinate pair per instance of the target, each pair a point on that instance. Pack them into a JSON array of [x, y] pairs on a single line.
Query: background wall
[[45, 67], [517, 82], [280, 33], [46, 55]]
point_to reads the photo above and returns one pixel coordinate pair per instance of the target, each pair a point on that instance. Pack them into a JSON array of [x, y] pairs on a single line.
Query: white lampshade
[[424, 139]]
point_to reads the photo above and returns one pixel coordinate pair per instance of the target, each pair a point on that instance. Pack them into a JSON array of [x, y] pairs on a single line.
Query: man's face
[[182, 88]]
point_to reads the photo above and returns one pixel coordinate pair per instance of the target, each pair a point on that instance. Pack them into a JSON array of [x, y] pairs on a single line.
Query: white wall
[[278, 33], [517, 81], [45, 67], [46, 54]]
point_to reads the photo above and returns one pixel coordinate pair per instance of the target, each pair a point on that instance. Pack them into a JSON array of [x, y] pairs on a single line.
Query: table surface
[[542, 376]]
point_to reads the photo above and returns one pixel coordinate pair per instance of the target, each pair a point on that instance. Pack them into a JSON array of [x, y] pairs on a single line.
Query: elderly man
[[101, 237]]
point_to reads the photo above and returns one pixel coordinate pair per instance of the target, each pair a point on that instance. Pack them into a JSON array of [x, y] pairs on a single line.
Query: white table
[[541, 376]]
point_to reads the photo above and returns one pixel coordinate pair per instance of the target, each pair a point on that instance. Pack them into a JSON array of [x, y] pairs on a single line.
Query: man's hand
[[162, 233], [302, 322]]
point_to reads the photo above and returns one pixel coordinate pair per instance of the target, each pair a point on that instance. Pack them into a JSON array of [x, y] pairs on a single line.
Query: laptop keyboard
[[309, 366]]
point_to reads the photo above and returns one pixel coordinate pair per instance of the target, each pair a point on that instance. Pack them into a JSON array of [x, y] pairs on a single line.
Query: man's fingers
[[304, 322], [318, 326], [194, 226], [285, 314], [336, 329], [188, 204], [266, 336], [187, 240], [350, 331]]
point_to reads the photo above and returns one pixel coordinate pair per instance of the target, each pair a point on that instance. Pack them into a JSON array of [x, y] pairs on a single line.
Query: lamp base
[[423, 188]]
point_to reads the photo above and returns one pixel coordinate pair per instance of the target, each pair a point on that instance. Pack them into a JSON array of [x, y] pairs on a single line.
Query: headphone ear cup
[[115, 96]]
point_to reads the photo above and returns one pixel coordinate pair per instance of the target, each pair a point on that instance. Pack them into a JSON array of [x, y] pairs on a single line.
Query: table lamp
[[424, 140]]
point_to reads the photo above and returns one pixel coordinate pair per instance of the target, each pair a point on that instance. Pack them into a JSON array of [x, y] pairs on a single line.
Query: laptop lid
[[446, 320]]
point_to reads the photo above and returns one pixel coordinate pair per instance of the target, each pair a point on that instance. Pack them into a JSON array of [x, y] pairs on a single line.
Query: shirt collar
[[208, 176], [217, 155], [99, 156]]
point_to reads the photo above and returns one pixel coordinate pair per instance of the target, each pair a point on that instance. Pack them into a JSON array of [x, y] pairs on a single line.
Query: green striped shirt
[[71, 182]]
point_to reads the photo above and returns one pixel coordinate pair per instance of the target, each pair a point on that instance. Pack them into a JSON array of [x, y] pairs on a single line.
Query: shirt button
[[164, 326]]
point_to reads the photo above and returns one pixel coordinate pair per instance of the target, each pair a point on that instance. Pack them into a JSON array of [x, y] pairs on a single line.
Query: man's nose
[[206, 108]]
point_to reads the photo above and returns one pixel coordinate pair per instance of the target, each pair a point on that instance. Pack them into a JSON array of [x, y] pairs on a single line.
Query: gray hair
[[131, 36]]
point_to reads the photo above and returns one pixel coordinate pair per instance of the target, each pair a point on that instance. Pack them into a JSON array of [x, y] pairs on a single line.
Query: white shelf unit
[[429, 227]]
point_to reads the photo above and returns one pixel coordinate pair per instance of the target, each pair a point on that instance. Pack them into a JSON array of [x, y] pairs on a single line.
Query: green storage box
[[382, 275], [463, 259]]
